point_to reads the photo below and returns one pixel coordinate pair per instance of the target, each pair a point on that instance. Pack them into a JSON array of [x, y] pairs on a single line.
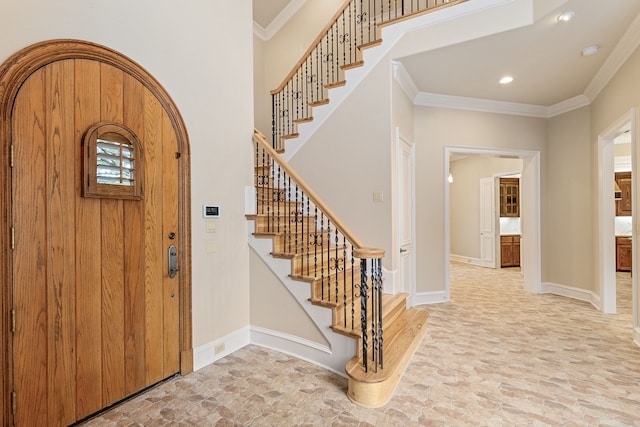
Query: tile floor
[[493, 356]]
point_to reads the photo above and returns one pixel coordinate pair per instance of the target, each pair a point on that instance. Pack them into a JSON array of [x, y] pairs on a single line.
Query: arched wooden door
[[94, 288]]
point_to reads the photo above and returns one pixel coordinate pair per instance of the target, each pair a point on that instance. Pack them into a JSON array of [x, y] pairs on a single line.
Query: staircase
[[343, 274]]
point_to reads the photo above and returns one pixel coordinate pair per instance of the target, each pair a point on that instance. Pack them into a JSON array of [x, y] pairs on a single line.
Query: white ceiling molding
[[405, 81], [623, 50], [279, 21], [475, 104], [568, 105], [260, 32]]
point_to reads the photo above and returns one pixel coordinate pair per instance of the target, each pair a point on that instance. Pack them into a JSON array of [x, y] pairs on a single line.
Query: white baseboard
[[424, 298], [297, 347], [571, 292], [464, 259], [210, 352]]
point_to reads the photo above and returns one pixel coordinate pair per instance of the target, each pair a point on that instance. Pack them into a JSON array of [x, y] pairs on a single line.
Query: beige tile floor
[[494, 356]]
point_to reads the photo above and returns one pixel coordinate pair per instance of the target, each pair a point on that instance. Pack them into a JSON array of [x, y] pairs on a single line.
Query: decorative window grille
[[112, 162]]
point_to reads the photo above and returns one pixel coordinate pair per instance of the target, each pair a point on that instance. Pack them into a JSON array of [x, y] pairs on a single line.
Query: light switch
[[378, 196], [211, 246], [211, 226]]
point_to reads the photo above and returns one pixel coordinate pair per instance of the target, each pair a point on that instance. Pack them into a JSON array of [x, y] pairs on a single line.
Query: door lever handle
[[403, 251], [173, 260]]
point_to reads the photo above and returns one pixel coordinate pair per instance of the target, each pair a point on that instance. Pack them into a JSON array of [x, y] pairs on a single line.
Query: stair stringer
[[502, 15], [341, 348]]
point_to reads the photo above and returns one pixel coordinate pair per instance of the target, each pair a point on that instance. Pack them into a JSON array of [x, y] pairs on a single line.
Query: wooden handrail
[[357, 244], [311, 48]]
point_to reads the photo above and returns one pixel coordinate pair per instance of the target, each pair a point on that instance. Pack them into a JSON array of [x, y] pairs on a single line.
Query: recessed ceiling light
[[506, 80], [566, 17], [590, 50]]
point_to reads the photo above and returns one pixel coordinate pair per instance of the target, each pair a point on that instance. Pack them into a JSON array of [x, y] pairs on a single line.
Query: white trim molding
[[571, 292], [301, 348], [208, 353], [279, 21], [465, 259], [426, 298]]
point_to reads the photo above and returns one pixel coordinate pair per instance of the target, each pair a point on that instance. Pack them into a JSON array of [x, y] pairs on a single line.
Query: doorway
[[607, 216], [95, 197], [530, 208]]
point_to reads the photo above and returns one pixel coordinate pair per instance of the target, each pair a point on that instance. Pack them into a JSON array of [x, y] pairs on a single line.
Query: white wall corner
[[401, 75], [571, 292], [208, 353], [249, 200], [425, 298]]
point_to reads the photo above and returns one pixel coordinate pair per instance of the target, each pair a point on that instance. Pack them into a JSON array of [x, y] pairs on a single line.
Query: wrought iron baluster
[[328, 259], [286, 222], [308, 236], [322, 264], [353, 290], [378, 281], [344, 279], [337, 266], [363, 313]]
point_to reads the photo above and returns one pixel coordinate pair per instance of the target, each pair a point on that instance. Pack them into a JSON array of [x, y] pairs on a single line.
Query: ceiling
[[544, 59]]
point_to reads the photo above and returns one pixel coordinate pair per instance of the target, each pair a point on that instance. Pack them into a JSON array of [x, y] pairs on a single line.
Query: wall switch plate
[[378, 196], [211, 226]]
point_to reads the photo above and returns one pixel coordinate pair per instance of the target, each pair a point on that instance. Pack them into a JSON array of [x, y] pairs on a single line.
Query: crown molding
[[568, 105], [626, 46], [279, 21], [476, 104], [405, 81]]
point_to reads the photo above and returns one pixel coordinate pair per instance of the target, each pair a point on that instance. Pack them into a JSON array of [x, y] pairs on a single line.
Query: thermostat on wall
[[210, 211]]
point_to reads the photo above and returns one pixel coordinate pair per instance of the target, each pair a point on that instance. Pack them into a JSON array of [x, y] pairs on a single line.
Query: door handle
[[173, 260]]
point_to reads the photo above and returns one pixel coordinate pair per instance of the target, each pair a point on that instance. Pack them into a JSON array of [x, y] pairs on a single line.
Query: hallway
[[493, 356]]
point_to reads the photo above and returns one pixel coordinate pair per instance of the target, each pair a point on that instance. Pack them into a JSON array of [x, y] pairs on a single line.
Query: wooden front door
[[96, 312]]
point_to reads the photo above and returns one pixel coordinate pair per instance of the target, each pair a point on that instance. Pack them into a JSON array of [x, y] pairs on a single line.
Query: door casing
[[13, 73]]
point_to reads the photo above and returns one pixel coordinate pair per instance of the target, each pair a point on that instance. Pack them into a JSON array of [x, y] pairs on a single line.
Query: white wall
[[201, 52], [436, 128]]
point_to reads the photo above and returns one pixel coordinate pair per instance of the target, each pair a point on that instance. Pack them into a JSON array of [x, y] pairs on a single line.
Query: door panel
[[97, 315], [487, 223]]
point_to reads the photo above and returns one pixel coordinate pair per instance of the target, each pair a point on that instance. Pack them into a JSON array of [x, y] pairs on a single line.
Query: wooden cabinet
[[623, 253], [623, 206], [509, 197], [509, 251]]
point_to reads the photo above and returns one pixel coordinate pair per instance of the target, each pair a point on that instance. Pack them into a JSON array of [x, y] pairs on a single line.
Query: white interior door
[[406, 175], [487, 223]]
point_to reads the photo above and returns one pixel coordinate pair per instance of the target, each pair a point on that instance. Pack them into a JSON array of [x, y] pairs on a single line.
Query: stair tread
[[402, 337]]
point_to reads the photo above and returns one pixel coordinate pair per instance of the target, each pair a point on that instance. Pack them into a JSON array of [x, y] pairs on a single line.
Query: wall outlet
[[378, 196], [219, 348]]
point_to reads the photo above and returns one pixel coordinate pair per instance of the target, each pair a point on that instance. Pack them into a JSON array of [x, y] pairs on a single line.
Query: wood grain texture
[[29, 256], [154, 250], [62, 366], [60, 176], [88, 252], [112, 231], [134, 254], [170, 287]]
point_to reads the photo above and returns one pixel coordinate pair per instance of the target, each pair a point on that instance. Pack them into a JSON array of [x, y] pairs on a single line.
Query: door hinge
[[11, 156], [14, 402], [13, 320], [13, 238], [178, 154]]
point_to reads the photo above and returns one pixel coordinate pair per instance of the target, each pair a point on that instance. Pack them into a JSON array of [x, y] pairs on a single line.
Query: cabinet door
[[509, 197], [506, 251], [516, 251], [623, 254], [623, 206]]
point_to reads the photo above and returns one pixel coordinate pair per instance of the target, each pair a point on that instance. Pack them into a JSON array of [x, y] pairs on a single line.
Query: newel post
[[371, 306]]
